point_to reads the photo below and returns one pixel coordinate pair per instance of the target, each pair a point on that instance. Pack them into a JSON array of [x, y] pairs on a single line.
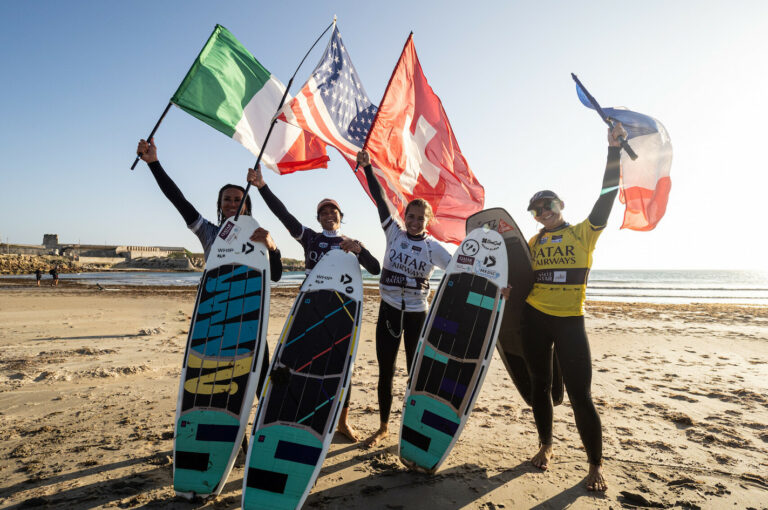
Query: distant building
[[90, 253]]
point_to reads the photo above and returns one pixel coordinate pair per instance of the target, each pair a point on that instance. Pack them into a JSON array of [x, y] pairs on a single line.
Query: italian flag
[[228, 89]]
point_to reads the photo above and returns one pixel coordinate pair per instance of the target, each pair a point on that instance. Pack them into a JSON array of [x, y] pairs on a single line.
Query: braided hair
[[247, 209]]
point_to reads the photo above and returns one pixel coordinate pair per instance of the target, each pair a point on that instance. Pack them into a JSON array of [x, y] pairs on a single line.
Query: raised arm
[[373, 185], [148, 152], [602, 208], [275, 205]]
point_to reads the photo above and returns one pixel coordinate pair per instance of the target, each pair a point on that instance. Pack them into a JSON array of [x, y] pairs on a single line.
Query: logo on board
[[470, 247], [490, 244], [504, 227], [226, 230], [484, 271], [464, 259]]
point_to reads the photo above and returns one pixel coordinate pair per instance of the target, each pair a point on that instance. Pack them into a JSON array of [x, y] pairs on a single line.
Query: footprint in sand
[[722, 458], [684, 398], [679, 418]]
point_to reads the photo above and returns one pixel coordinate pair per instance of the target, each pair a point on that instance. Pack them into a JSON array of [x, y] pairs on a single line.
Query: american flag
[[333, 104]]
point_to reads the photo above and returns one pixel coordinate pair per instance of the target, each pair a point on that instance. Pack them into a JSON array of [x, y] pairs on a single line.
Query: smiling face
[[416, 219], [230, 199], [548, 212], [329, 217]]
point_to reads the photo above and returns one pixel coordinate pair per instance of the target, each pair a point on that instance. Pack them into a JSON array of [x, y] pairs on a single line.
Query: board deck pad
[[307, 384], [510, 345], [222, 361], [454, 350]]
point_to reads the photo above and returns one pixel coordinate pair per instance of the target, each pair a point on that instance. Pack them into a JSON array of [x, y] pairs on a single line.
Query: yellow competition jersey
[[561, 261]]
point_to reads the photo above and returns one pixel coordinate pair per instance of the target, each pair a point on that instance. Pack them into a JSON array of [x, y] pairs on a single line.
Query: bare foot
[[542, 457], [378, 436], [595, 480], [346, 430]]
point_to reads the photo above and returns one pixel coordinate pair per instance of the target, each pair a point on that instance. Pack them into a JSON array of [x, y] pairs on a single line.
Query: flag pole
[[605, 117], [171, 101], [152, 133], [368, 135], [274, 119]]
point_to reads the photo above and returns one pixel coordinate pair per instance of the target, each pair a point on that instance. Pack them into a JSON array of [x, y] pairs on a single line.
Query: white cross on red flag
[[415, 154]]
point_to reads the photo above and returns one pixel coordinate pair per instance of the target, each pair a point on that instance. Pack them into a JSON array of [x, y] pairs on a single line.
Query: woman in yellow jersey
[[554, 313]]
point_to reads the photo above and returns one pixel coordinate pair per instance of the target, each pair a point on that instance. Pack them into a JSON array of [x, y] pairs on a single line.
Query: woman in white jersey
[[409, 261]]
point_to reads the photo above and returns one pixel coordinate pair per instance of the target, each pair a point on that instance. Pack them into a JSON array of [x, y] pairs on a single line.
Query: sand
[[89, 380]]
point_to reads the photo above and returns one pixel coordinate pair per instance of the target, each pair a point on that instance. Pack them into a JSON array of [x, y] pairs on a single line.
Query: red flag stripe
[[645, 207], [324, 123]]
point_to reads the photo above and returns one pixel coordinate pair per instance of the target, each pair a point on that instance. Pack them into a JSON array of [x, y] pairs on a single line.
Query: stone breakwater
[[26, 264]]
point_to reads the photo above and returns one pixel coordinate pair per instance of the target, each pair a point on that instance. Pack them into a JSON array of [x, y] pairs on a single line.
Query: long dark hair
[[247, 210]]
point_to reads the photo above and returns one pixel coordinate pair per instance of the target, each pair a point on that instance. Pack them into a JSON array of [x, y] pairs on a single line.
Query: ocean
[[647, 286]]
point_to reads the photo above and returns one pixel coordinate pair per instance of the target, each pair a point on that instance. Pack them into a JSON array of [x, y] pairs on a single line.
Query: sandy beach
[[89, 380]]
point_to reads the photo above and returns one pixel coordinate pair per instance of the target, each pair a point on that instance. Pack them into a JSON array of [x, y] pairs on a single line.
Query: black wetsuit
[[567, 335], [191, 216], [395, 323], [315, 244]]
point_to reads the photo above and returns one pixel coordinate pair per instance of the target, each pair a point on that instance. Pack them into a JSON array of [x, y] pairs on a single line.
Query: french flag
[[645, 182]]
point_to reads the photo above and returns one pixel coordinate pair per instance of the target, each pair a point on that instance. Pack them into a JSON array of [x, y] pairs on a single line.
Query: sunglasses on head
[[552, 205]]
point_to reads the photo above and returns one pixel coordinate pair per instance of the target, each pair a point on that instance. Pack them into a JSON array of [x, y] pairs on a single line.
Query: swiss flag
[[415, 154]]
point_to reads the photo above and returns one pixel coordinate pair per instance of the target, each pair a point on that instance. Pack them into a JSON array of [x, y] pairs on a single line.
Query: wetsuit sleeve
[[602, 209], [275, 265], [368, 261], [173, 193], [278, 209], [376, 193]]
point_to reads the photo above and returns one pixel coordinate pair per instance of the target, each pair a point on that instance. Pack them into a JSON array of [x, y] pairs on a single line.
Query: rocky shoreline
[[27, 264]]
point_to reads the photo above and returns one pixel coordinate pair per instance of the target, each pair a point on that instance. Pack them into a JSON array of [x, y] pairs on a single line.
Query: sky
[[83, 81]]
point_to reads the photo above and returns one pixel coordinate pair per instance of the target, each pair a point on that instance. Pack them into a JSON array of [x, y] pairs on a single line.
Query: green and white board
[[307, 385], [510, 344], [454, 350], [222, 361]]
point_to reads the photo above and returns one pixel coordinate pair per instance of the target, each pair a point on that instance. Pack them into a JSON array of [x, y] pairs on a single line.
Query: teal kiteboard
[[510, 343], [307, 385], [222, 361], [454, 350]]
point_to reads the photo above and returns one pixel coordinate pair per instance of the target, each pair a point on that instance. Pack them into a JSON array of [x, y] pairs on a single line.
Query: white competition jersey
[[408, 264]]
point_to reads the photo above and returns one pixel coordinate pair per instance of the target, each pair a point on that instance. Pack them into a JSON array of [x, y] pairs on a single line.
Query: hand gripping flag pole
[[279, 107], [152, 133], [608, 120]]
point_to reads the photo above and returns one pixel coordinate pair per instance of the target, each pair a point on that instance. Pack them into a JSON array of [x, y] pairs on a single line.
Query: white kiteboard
[[307, 385], [454, 350], [510, 343], [222, 361]]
